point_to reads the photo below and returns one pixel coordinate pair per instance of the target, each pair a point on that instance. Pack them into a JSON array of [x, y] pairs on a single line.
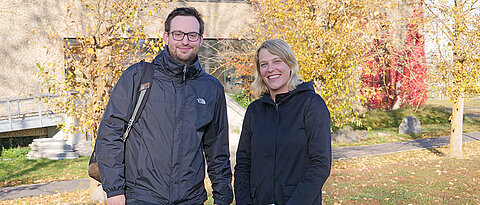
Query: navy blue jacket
[[284, 153], [163, 159]]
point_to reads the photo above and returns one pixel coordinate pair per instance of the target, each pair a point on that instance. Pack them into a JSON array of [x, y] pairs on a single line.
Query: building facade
[[25, 44]]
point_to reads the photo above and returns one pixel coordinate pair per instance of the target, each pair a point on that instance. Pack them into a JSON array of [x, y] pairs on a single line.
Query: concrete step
[[50, 148]]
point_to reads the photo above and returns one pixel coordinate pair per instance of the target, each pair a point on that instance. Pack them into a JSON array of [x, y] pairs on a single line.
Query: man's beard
[[181, 57]]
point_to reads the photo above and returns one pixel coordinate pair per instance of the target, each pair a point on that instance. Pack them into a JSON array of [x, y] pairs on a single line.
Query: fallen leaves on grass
[[75, 197], [471, 148], [418, 177]]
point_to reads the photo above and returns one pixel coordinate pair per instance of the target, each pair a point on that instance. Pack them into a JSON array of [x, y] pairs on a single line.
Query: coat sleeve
[[109, 143], [217, 153], [317, 128], [243, 165]]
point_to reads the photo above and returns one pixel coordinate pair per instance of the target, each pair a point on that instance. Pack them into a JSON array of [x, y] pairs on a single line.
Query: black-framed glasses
[[191, 36]]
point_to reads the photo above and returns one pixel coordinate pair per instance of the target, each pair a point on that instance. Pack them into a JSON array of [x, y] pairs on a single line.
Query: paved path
[[380, 149], [43, 189], [337, 153]]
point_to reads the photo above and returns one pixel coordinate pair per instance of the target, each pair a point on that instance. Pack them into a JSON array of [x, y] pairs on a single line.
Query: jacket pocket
[[198, 115], [288, 191], [253, 190]]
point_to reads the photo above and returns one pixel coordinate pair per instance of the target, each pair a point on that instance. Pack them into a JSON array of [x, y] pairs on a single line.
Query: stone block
[[410, 125], [51, 148], [84, 148], [348, 135]]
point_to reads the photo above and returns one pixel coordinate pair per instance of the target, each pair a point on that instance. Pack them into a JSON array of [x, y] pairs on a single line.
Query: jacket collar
[[165, 63], [304, 86]]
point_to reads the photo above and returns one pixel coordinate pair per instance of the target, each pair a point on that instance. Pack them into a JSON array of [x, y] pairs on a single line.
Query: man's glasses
[[191, 36]]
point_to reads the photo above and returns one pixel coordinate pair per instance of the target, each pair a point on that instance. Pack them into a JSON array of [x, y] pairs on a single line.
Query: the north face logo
[[201, 101]]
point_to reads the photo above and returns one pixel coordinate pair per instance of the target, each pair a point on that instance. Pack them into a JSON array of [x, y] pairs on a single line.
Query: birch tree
[[453, 28]]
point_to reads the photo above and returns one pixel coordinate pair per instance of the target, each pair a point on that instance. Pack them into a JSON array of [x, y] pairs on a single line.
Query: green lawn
[[425, 176], [417, 177], [434, 117], [469, 103], [16, 169]]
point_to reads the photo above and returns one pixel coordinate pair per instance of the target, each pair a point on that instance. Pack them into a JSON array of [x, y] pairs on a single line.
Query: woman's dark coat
[[284, 153]]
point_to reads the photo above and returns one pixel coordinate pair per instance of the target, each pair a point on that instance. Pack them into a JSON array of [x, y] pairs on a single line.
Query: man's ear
[[165, 38]]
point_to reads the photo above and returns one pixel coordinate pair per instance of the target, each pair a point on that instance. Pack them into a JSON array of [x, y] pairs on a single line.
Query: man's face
[[183, 51]]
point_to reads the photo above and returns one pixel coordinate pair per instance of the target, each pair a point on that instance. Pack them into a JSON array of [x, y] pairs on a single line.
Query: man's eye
[[192, 35]]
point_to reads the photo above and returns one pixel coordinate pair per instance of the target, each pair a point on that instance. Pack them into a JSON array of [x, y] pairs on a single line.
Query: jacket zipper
[[172, 180], [275, 149], [185, 69], [172, 161]]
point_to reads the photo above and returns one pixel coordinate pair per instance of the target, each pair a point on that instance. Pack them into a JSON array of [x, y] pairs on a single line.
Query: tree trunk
[[457, 127]]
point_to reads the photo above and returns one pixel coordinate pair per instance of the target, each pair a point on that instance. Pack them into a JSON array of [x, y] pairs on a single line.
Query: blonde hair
[[281, 49]]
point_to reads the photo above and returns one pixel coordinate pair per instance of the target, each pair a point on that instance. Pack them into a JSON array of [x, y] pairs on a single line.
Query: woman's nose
[[270, 68]]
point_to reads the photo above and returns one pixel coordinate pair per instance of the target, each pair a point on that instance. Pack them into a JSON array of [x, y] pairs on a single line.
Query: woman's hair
[[281, 49]]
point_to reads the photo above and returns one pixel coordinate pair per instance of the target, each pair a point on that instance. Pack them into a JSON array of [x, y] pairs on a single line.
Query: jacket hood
[[302, 87], [165, 63]]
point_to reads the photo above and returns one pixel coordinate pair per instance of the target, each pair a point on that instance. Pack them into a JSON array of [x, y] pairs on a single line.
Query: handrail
[[5, 100], [19, 108]]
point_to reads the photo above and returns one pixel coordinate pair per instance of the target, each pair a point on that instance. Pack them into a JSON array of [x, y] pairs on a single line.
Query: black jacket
[[184, 117], [284, 153]]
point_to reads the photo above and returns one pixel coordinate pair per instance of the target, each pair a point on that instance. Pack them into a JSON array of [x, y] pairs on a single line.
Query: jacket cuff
[[115, 193]]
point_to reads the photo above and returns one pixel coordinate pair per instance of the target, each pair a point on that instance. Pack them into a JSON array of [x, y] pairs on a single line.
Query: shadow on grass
[[38, 164], [437, 152]]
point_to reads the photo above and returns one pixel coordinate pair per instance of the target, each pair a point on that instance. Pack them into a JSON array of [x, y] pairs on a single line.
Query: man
[[184, 119]]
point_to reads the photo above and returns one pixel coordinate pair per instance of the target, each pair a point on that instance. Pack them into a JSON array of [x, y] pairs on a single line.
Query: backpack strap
[[145, 83]]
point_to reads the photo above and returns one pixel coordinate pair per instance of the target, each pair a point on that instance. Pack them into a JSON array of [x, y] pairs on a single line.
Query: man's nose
[[185, 40]]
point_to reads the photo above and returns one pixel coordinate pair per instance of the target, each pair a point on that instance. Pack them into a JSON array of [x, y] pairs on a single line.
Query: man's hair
[[184, 11], [281, 49]]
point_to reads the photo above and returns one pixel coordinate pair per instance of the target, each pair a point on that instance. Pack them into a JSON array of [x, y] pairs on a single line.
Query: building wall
[[24, 44]]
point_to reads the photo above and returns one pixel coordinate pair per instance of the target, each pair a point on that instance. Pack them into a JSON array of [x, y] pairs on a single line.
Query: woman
[[284, 153]]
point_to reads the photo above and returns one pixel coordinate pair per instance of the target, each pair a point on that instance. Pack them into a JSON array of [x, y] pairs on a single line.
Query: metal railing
[[25, 113]]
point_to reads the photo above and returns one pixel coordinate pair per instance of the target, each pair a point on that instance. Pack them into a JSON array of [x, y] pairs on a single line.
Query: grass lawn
[[434, 118], [16, 169], [75, 197], [470, 103], [416, 177]]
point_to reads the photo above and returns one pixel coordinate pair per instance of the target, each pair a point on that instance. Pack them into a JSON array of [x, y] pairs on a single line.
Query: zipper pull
[[184, 72]]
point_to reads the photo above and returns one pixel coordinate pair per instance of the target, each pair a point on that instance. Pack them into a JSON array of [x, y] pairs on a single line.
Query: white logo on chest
[[201, 101]]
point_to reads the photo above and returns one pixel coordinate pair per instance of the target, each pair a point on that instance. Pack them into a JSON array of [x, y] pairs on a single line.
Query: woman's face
[[274, 71]]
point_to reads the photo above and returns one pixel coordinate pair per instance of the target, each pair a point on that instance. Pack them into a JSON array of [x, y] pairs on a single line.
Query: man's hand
[[116, 200]]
